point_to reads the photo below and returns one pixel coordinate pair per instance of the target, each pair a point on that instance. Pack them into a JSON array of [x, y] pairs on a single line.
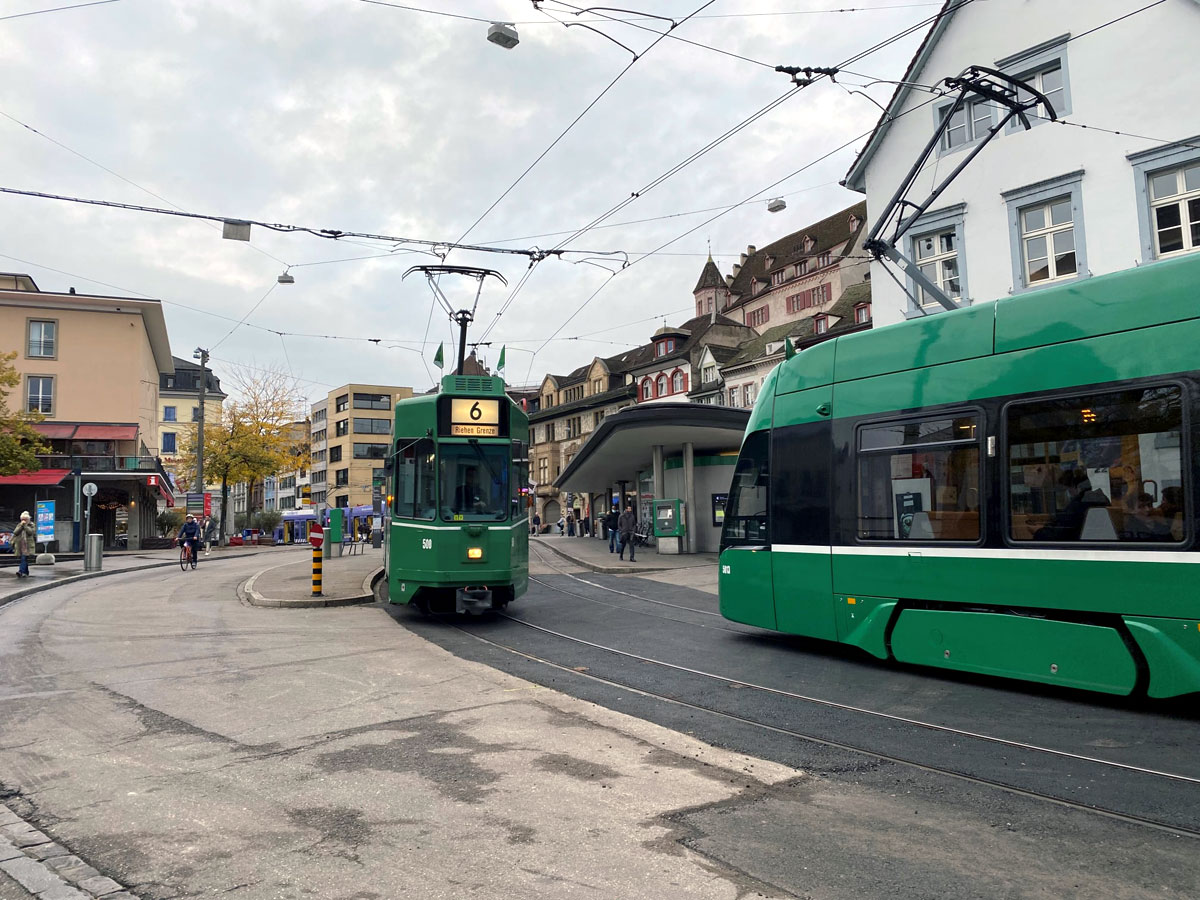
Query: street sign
[[45, 521], [316, 537], [208, 503], [89, 489], [151, 481]]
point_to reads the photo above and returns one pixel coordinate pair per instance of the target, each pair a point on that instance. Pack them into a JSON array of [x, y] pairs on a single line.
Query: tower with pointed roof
[[711, 292]]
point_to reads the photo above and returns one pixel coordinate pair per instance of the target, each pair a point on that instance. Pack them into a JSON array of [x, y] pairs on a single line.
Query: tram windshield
[[746, 509], [474, 482]]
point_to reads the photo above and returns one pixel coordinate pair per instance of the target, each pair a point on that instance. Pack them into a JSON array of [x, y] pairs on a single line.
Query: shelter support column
[[659, 473], [689, 496]]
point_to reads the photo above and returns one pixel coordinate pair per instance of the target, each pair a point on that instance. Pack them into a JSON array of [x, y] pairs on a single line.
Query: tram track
[[1131, 818], [763, 724]]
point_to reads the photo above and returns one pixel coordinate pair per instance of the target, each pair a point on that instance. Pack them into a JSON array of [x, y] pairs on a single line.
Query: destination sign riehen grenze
[[474, 418]]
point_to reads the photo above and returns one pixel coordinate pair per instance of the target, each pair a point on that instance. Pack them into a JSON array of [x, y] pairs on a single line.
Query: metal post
[[202, 355], [76, 536], [316, 578], [463, 318]]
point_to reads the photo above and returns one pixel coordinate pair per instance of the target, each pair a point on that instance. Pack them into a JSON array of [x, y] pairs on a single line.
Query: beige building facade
[[358, 433], [91, 366]]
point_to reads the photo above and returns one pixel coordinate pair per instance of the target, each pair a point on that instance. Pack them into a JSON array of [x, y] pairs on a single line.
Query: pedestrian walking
[[24, 541], [626, 525], [208, 531], [537, 524], [610, 523], [570, 525]]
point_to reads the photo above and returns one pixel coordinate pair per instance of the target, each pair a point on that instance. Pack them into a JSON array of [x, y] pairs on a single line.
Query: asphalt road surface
[[188, 745]]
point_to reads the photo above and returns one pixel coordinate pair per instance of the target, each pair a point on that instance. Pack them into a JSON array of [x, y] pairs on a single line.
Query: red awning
[[40, 477], [106, 433], [55, 430]]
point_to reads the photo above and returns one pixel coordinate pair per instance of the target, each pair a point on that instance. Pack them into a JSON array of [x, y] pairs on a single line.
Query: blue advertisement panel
[[45, 521]]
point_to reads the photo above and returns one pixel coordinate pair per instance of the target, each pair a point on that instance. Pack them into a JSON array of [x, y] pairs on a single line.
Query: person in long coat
[[24, 542]]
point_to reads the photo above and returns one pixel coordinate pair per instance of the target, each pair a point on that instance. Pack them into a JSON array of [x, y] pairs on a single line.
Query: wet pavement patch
[[581, 769], [422, 750]]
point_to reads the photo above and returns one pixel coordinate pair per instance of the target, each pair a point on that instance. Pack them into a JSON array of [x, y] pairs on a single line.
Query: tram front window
[[474, 482], [746, 509]]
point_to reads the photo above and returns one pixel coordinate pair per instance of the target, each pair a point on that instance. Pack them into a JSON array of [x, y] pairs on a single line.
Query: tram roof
[[624, 442], [1153, 294]]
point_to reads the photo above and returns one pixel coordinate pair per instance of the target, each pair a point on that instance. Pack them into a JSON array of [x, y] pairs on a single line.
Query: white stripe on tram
[[927, 550], [521, 524]]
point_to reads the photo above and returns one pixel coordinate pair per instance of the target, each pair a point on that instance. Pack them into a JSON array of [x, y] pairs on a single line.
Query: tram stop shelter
[[659, 451]]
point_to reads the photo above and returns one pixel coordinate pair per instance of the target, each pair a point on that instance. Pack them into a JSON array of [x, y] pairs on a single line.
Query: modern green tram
[[1007, 489], [458, 538]]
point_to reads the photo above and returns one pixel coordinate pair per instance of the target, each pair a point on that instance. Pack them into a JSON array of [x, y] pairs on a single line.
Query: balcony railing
[[118, 463]]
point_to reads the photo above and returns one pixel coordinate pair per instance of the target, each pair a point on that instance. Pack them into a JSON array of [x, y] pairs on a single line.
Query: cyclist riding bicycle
[[189, 534]]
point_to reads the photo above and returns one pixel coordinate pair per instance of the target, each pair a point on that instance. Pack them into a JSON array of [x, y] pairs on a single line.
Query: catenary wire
[[38, 12]]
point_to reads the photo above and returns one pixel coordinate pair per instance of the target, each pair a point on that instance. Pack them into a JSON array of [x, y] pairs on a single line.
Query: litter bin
[[93, 552]]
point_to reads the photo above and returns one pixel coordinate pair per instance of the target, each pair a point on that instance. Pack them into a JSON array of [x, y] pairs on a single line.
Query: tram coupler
[[473, 600]]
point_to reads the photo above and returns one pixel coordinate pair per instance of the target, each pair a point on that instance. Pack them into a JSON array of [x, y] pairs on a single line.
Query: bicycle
[[186, 555]]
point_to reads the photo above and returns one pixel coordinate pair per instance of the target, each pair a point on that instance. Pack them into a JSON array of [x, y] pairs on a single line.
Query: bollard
[[93, 552], [317, 564]]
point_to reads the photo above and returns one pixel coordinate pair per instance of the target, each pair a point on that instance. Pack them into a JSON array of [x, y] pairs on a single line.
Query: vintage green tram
[[1007, 489], [458, 540]]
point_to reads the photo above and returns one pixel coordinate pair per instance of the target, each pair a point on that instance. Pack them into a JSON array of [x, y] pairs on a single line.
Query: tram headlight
[[474, 553]]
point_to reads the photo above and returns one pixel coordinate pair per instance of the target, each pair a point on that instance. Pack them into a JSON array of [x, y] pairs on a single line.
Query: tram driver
[[468, 497]]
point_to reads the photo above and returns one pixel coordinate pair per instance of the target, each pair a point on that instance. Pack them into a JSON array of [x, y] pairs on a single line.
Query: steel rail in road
[[840, 745], [833, 704]]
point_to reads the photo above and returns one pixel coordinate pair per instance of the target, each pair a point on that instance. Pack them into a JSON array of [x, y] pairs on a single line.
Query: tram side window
[[1098, 467], [749, 493], [415, 491], [919, 480]]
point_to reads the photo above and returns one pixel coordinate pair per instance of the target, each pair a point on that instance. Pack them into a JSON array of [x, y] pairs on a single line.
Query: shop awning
[[40, 478], [55, 430], [106, 433]]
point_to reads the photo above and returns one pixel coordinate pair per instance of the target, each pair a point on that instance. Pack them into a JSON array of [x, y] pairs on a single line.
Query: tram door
[[801, 456]]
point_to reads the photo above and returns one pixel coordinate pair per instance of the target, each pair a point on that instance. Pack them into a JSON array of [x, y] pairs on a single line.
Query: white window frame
[[42, 398], [933, 224], [1033, 63], [820, 324], [661, 385], [862, 313], [53, 323], [1147, 164], [1043, 192], [677, 381]]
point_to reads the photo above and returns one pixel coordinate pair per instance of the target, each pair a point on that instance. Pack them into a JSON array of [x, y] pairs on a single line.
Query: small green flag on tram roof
[[438, 359], [789, 349], [500, 364]]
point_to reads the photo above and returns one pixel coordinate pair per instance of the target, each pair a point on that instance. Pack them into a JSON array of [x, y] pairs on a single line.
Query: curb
[[246, 591], [610, 570], [60, 582]]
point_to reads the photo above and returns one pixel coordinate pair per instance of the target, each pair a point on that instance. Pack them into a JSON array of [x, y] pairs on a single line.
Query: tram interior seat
[[945, 525]]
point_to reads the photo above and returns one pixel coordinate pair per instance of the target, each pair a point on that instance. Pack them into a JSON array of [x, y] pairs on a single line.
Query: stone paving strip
[[47, 869]]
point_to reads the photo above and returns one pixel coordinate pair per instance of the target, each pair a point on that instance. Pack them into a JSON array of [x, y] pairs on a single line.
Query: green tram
[[1006, 489], [459, 534]]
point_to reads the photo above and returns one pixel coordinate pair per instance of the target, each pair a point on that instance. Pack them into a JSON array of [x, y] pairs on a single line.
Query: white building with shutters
[[1059, 202]]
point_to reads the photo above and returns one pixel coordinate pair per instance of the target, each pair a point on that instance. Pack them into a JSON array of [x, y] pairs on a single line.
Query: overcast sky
[[363, 117]]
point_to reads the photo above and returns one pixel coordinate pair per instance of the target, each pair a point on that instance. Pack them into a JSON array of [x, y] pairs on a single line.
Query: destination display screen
[[471, 417]]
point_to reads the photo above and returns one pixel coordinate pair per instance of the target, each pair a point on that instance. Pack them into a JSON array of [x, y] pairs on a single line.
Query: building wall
[[319, 417], [184, 427], [104, 369], [1136, 99], [357, 473]]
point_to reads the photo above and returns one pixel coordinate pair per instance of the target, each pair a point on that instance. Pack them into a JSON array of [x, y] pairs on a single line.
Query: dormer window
[[820, 324], [809, 243], [854, 220], [862, 313], [665, 346]]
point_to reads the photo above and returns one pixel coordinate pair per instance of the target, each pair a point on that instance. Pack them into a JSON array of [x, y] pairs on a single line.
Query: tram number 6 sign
[[474, 418]]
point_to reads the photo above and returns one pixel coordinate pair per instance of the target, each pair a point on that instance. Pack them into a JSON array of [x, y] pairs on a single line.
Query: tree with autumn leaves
[[261, 432], [20, 442]]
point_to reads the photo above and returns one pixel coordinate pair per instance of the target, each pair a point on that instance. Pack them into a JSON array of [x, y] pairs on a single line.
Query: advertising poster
[[45, 521]]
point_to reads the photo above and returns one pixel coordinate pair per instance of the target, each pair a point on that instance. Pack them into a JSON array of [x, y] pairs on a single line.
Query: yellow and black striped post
[[316, 572]]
